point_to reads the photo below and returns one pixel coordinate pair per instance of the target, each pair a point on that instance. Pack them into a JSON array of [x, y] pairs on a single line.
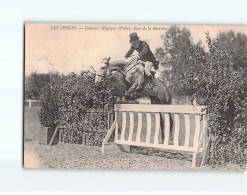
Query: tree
[[175, 53], [237, 43], [35, 81]]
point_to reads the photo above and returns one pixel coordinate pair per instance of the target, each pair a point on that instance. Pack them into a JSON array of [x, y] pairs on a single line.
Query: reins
[[119, 69]]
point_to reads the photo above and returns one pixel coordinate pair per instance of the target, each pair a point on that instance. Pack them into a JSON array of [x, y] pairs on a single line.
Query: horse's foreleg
[[139, 88], [131, 89]]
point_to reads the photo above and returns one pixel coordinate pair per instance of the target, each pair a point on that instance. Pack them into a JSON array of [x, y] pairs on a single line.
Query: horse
[[127, 79]]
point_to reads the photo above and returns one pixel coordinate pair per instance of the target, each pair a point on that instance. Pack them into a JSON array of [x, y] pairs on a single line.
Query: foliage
[[49, 115], [35, 81], [234, 42], [79, 106], [175, 53], [225, 93]]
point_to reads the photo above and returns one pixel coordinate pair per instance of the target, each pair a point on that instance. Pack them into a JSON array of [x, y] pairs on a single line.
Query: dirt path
[[30, 161], [90, 157]]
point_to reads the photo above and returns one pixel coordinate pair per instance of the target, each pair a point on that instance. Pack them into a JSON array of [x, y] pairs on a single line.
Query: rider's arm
[[145, 49], [128, 54]]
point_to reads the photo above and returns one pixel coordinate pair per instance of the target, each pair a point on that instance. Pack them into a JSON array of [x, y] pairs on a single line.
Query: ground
[[90, 157]]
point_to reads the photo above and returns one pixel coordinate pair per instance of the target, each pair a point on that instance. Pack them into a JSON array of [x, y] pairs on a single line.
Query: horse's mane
[[117, 61]]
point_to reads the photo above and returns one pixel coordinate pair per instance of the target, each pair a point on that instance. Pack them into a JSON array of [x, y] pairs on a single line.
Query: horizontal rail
[[86, 131], [189, 109], [32, 101], [160, 146], [105, 112]]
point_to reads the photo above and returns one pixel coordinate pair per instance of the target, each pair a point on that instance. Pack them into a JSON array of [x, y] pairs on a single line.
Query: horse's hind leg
[[171, 124], [162, 129]]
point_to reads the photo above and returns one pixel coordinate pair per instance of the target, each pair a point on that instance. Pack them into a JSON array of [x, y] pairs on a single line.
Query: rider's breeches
[[148, 67]]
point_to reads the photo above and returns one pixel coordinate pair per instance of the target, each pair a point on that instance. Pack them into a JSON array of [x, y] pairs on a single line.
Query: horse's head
[[103, 71], [108, 72]]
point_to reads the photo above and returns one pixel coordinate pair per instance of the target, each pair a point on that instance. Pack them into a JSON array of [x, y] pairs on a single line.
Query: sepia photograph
[[135, 97]]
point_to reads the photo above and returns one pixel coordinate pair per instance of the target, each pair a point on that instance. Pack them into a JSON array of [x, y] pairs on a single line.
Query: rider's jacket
[[144, 51]]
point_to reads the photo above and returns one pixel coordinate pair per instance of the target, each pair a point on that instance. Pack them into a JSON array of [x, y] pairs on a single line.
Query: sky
[[69, 48]]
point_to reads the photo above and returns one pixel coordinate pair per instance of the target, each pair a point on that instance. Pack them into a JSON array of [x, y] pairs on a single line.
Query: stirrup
[[151, 81], [151, 84]]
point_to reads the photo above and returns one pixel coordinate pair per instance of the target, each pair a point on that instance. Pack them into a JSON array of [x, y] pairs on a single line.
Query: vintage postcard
[[135, 96]]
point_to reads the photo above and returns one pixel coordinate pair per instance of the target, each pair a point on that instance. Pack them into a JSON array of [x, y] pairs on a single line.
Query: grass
[[31, 123]]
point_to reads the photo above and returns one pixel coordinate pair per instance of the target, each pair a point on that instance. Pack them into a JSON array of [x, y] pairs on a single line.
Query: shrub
[[224, 92], [49, 111], [79, 106]]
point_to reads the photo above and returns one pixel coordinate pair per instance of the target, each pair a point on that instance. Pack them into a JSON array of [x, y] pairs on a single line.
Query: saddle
[[155, 64]]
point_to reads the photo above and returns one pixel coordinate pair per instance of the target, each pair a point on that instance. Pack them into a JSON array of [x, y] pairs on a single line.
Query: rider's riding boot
[[151, 81]]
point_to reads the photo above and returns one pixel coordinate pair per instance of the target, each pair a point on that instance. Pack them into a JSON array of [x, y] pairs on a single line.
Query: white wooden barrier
[[140, 125], [32, 101]]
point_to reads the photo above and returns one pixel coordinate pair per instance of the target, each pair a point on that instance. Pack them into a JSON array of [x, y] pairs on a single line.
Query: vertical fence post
[[60, 136], [83, 138], [109, 120], [29, 103]]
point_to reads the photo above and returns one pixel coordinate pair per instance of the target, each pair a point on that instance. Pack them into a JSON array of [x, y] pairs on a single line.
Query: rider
[[145, 55]]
